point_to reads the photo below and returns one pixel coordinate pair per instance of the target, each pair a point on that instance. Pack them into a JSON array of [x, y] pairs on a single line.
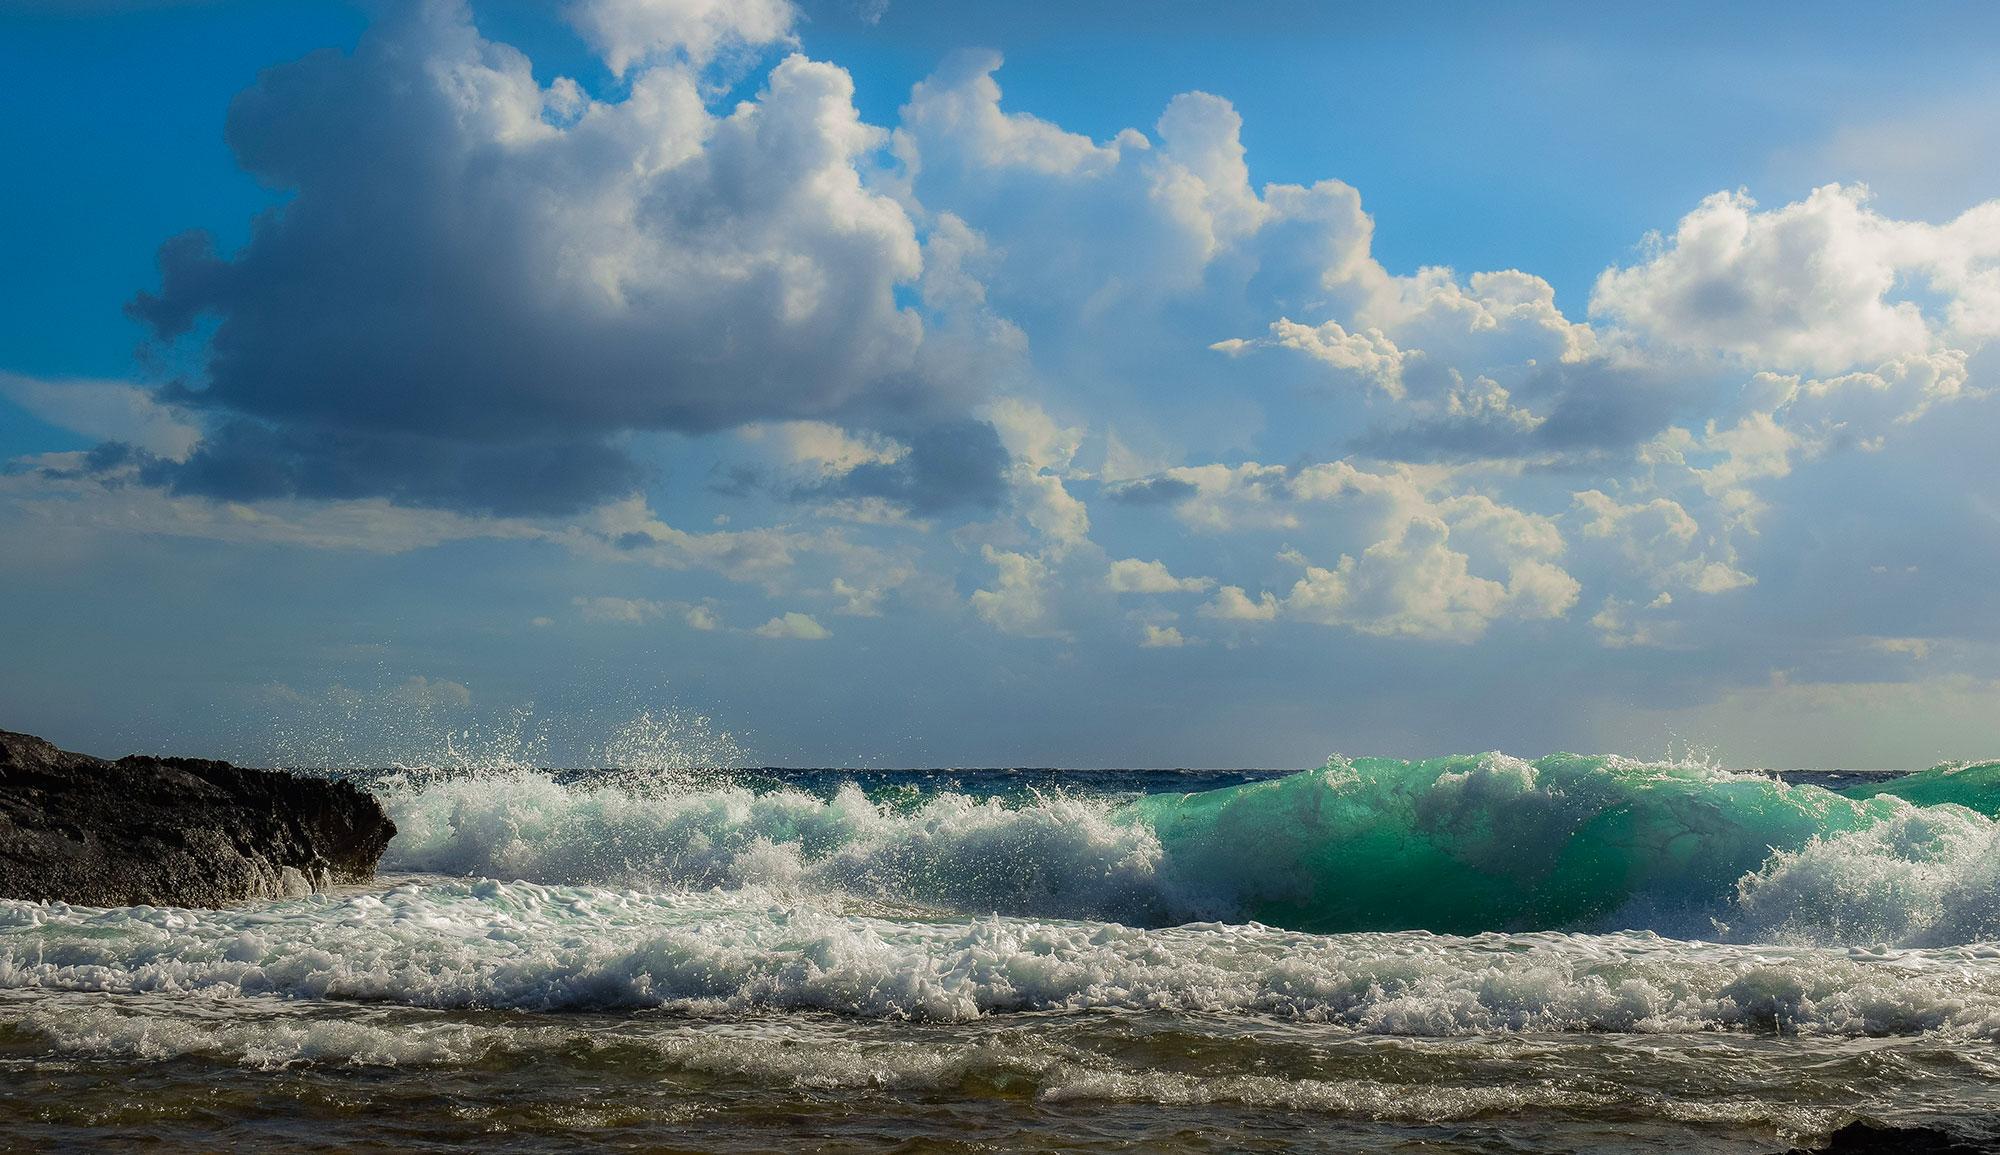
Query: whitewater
[[1468, 953]]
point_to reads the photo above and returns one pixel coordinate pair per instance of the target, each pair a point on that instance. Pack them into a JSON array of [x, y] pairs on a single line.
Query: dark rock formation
[[174, 831], [1865, 1138]]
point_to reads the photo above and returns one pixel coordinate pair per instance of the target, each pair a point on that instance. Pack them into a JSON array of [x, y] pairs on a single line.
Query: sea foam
[[526, 946]]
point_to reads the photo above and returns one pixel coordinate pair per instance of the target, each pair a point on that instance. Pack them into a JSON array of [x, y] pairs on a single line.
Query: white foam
[[1927, 876], [100, 1032], [521, 945], [1059, 856]]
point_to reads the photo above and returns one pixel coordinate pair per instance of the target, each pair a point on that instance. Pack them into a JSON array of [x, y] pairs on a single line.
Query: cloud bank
[[975, 368]]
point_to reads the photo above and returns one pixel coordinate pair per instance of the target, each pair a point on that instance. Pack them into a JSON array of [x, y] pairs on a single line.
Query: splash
[[673, 746]]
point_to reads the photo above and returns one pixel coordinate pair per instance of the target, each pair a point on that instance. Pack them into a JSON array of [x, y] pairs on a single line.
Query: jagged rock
[[174, 831]]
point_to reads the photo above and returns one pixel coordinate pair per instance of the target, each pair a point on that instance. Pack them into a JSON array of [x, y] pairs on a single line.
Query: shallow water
[[959, 962]]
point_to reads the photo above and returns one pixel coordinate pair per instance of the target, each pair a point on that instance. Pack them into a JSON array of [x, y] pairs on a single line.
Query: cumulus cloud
[[1370, 355], [1019, 600], [1233, 604], [1420, 338], [821, 449], [1076, 231], [501, 272], [1133, 576], [794, 626], [481, 291], [1416, 578], [626, 32], [1825, 285], [1414, 584], [1659, 540]]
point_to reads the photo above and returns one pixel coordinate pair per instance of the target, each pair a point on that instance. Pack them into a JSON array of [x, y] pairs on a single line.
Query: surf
[[1457, 845]]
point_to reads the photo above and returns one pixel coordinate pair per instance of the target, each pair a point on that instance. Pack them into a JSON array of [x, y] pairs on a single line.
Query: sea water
[[1477, 953]]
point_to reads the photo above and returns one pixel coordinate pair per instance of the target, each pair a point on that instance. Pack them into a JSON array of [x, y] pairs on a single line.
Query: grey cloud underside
[[249, 461], [948, 466], [1151, 491], [952, 465], [244, 460], [1589, 407]]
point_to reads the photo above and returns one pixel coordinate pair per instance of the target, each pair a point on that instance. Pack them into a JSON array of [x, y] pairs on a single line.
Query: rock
[[1863, 1138], [174, 831]]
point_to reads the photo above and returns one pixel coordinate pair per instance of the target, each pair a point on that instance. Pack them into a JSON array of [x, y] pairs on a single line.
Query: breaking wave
[[1453, 845]]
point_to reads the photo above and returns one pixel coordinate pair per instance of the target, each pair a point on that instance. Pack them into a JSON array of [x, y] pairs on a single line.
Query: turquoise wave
[[1457, 845], [1975, 786], [1475, 843]]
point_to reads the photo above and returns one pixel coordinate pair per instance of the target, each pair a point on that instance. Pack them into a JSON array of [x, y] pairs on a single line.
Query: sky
[[894, 383]]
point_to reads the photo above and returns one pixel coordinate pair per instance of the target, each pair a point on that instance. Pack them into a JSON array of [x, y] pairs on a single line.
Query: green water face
[[1482, 842], [1975, 786]]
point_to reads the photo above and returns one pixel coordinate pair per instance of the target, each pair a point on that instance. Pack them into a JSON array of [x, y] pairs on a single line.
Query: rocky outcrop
[[174, 831]]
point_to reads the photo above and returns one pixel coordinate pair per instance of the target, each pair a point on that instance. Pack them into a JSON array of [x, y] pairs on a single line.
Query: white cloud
[[795, 626], [1659, 540], [955, 114], [1018, 602], [1161, 638], [1032, 436], [107, 410], [821, 449], [1416, 578], [1095, 230], [626, 32], [1414, 584], [1232, 604], [1860, 408], [1226, 498], [1051, 509], [1368, 355], [1617, 627], [1825, 285], [863, 597], [1133, 576]]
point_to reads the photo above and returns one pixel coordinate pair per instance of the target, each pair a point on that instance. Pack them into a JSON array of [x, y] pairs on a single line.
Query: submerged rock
[[174, 831]]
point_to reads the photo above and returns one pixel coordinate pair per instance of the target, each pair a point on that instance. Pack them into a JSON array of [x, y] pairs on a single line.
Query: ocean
[[1470, 954]]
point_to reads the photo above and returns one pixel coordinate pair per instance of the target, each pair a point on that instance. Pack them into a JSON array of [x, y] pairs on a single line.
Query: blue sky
[[1040, 384]]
